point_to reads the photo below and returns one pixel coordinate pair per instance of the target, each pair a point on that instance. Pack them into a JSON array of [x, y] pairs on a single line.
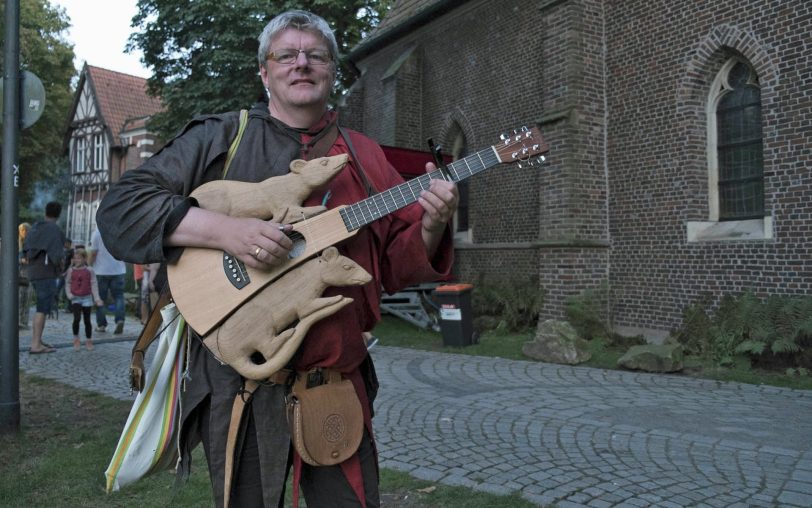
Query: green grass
[[65, 443], [399, 489], [392, 331], [68, 436]]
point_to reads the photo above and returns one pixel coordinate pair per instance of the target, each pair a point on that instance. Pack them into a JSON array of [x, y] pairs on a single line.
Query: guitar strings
[[306, 226]]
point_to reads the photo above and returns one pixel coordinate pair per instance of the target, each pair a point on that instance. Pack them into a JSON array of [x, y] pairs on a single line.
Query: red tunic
[[391, 249]]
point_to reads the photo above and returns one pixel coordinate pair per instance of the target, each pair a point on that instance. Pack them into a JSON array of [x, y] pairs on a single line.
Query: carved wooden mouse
[[259, 325], [278, 198]]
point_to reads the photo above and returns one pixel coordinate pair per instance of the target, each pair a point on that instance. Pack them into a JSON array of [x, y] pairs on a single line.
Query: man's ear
[[263, 75]]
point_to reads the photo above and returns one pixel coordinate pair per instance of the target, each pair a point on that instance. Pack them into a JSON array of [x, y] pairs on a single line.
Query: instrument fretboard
[[374, 207]]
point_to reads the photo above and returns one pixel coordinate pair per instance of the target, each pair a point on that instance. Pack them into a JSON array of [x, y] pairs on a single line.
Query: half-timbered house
[[107, 135]]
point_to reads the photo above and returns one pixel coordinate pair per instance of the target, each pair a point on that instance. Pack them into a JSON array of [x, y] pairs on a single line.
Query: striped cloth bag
[[149, 441]]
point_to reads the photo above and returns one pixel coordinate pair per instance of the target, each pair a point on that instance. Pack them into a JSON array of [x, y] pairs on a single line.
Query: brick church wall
[[663, 56], [619, 91]]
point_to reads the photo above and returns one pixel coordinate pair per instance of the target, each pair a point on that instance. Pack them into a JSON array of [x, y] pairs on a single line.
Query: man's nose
[[301, 59]]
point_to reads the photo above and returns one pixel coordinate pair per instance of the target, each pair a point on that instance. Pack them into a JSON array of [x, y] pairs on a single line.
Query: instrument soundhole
[[299, 244]]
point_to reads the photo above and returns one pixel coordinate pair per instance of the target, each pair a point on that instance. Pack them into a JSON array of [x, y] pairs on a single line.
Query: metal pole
[[9, 306]]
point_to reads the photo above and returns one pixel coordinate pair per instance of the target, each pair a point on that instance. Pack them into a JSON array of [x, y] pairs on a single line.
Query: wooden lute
[[209, 285]]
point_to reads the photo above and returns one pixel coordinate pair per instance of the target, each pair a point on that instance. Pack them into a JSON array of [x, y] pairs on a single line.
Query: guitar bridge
[[235, 271]]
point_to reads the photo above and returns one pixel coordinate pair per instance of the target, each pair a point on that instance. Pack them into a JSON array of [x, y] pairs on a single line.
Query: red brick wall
[[619, 90], [663, 56]]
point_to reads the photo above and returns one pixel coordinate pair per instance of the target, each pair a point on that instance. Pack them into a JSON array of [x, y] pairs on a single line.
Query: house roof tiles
[[121, 97]]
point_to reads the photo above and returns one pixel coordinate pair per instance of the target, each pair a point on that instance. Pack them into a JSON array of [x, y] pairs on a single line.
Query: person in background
[[142, 306], [60, 282], [153, 285], [82, 290], [110, 274], [44, 249], [24, 294]]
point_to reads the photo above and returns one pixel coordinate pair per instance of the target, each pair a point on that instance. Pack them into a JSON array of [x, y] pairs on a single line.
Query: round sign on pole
[[33, 100]]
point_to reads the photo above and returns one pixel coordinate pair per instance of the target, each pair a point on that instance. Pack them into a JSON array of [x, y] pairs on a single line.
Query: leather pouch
[[325, 417]]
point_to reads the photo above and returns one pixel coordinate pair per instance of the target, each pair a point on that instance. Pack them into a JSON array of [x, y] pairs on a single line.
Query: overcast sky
[[99, 32]]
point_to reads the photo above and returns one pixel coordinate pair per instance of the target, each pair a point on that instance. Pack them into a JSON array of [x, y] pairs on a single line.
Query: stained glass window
[[739, 146]]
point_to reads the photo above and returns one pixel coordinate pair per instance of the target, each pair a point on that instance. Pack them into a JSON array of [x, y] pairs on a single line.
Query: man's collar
[[260, 109]]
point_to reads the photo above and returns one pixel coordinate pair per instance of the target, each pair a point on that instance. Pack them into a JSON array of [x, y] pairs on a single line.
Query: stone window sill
[[736, 230]]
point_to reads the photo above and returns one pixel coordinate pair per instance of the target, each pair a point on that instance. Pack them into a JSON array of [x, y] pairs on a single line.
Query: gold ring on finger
[[256, 252]]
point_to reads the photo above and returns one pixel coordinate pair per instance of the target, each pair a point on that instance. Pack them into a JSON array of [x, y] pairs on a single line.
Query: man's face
[[301, 84]]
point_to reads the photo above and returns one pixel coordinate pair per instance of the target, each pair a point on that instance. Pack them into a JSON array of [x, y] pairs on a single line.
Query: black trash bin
[[454, 302]]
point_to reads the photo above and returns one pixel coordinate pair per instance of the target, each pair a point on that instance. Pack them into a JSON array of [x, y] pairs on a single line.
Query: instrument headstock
[[525, 146]]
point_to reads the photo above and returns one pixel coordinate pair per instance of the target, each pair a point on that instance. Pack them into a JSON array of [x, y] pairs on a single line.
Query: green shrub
[[585, 313], [506, 306], [775, 330], [694, 334]]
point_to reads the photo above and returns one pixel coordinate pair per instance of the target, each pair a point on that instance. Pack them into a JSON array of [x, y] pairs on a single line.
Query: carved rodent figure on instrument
[[278, 198], [259, 325]]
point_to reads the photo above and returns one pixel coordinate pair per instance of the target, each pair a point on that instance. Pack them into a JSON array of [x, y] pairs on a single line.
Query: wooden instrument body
[[260, 325], [205, 301], [208, 285]]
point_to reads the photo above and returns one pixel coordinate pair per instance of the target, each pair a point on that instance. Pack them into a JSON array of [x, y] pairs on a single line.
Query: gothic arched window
[[735, 154]]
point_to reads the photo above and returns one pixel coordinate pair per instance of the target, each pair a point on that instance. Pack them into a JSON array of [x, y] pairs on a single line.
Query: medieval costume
[[148, 203]]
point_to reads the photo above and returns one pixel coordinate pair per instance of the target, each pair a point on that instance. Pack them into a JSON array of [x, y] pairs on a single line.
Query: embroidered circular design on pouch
[[334, 428]]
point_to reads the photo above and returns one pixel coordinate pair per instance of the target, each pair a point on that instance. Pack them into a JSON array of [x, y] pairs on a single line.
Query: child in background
[[82, 290], [25, 286]]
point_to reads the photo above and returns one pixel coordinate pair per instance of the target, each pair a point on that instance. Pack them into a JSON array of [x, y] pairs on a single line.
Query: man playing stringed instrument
[[148, 217]]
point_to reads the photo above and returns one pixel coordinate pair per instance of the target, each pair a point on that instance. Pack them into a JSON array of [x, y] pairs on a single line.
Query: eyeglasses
[[289, 56]]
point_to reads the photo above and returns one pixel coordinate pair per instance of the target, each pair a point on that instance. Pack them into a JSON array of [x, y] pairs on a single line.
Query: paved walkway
[[573, 436]]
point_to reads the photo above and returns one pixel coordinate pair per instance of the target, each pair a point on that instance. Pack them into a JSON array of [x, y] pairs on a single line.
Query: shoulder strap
[[361, 172], [148, 335], [232, 150]]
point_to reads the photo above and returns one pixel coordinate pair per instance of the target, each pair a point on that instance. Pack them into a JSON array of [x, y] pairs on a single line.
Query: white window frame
[[713, 229], [81, 219], [99, 152], [80, 152]]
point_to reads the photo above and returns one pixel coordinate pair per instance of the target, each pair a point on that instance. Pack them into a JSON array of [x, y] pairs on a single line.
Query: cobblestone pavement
[[573, 436]]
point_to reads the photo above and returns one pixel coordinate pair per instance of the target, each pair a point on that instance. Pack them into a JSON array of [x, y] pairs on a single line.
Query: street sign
[[33, 99]]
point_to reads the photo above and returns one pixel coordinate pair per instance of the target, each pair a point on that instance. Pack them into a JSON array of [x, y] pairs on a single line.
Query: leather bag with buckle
[[325, 417]]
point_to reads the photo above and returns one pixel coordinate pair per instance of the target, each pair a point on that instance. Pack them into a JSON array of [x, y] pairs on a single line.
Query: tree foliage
[[45, 52], [202, 53]]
